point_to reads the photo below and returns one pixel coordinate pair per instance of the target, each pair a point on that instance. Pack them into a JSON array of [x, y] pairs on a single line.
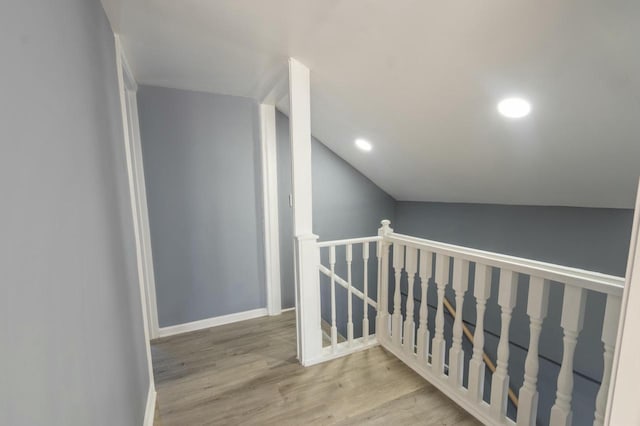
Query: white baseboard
[[288, 310], [150, 410], [211, 322]]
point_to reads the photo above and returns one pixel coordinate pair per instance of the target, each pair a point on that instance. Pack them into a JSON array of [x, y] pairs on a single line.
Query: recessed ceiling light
[[364, 145], [514, 107]]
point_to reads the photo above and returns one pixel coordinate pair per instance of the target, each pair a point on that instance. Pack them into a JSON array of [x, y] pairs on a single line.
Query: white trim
[[270, 207], [140, 192], [120, 70], [288, 310], [277, 87], [211, 322], [129, 80], [150, 410], [143, 216]]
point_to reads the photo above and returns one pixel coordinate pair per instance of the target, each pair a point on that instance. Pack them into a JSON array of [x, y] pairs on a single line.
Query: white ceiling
[[420, 79]]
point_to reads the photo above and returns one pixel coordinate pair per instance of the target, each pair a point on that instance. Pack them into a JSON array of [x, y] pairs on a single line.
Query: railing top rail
[[348, 241], [589, 280]]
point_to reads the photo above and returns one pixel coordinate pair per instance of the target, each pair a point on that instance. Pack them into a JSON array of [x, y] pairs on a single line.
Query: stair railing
[[422, 260], [362, 291], [388, 320]]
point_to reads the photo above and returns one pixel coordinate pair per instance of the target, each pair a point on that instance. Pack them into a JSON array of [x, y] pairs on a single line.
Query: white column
[[423, 330], [537, 305], [456, 354], [609, 329], [481, 291], [573, 305], [437, 346], [500, 379], [307, 253], [382, 316], [409, 326], [396, 316]]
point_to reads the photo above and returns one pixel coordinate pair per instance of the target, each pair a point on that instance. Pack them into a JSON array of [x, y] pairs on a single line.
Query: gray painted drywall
[[588, 238], [73, 350], [592, 239], [202, 173], [346, 204]]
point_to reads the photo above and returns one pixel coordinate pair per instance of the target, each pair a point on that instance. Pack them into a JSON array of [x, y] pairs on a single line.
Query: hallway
[[247, 373]]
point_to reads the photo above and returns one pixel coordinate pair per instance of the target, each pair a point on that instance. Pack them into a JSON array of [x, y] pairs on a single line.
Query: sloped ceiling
[[421, 79]]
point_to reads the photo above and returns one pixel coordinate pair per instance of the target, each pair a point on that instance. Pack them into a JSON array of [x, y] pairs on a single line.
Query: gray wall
[[202, 171], [345, 204], [592, 239], [70, 316]]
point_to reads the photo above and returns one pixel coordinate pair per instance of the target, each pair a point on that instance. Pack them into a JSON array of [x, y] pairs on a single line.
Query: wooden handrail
[[490, 364]]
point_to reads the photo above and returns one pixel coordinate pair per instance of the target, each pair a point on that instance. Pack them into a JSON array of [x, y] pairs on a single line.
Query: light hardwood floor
[[247, 374]]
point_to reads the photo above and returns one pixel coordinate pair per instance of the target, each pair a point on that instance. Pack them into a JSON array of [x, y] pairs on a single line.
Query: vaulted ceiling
[[421, 79]]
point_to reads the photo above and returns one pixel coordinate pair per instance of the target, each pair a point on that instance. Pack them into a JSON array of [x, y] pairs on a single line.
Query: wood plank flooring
[[247, 374]]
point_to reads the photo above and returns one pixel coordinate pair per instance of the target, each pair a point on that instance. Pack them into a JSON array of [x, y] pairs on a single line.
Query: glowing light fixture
[[514, 107], [364, 145]]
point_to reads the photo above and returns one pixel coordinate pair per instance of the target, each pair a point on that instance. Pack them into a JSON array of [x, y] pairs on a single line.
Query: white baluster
[[437, 346], [573, 305], [481, 291], [537, 305], [409, 326], [334, 329], [500, 379], [456, 354], [382, 316], [396, 317], [365, 318], [609, 331], [349, 258], [423, 331]]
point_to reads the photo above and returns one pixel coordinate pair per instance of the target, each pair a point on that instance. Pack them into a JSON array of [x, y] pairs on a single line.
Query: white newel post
[[537, 305], [382, 316], [307, 252]]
